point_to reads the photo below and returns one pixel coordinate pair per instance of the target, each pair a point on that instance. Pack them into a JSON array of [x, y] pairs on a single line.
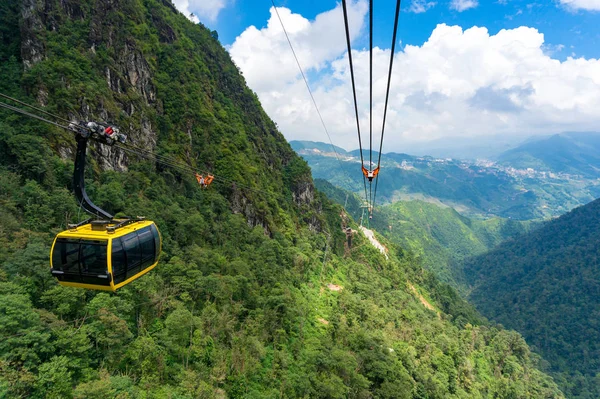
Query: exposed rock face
[[304, 193], [241, 205], [128, 73], [32, 48]]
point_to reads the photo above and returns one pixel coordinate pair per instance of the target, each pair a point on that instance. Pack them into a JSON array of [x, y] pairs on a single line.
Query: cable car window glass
[[146, 247], [156, 241], [132, 251], [66, 256], [119, 261], [93, 258]]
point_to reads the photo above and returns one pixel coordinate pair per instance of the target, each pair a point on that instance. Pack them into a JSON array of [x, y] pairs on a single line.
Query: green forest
[[256, 294], [440, 237], [545, 285]]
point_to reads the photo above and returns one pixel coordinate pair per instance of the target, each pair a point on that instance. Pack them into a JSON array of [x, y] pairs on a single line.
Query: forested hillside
[[439, 236], [546, 286], [256, 295]]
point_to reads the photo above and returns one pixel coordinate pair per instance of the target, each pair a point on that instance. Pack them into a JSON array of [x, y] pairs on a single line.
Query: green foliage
[[544, 285], [241, 304]]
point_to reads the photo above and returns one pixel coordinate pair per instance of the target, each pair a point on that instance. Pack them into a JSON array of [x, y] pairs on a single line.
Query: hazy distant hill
[[480, 189], [572, 153], [546, 285]]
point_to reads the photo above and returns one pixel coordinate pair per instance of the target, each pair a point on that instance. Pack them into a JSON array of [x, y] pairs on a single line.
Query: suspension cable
[[43, 111], [23, 112], [387, 93], [307, 85], [371, 98], [161, 159], [362, 162]]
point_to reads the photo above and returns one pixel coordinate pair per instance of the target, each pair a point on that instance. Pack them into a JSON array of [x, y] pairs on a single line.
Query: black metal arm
[[79, 181]]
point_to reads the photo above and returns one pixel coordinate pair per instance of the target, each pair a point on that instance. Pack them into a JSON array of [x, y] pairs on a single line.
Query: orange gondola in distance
[[370, 174], [102, 253]]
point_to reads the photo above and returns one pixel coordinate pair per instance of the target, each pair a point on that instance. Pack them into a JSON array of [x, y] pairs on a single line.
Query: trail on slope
[[371, 236], [424, 301]]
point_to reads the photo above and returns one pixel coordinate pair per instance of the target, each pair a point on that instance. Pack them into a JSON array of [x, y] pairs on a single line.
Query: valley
[[479, 188]]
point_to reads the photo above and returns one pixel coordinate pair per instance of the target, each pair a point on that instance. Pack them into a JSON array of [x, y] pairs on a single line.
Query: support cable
[[362, 162], [371, 98], [387, 93], [310, 92], [161, 159]]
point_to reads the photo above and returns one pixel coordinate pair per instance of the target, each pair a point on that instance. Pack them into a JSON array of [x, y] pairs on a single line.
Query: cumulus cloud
[[460, 82], [593, 5], [463, 5], [196, 10], [420, 6], [266, 59]]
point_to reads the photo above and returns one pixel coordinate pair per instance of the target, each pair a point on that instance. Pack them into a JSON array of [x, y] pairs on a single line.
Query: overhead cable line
[[362, 162], [371, 97], [23, 112], [161, 159], [387, 93], [43, 111], [309, 89]]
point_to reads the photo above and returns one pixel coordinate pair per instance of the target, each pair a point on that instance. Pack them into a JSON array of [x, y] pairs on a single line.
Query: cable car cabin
[[105, 255]]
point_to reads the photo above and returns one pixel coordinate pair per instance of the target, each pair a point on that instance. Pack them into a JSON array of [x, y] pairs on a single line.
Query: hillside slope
[[439, 236], [546, 286], [256, 295]]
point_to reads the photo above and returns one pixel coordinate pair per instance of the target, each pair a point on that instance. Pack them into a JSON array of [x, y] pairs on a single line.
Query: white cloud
[[463, 5], [593, 5], [459, 83], [420, 6], [196, 10], [266, 59]]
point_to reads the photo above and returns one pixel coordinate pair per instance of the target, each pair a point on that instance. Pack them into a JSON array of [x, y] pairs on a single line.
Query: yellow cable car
[[102, 253]]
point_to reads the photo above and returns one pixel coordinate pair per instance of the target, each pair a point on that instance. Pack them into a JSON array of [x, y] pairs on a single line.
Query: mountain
[[480, 189], [570, 153], [256, 294], [545, 285], [466, 148], [299, 146]]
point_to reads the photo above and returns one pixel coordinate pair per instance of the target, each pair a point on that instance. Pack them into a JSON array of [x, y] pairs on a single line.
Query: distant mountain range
[[543, 177], [571, 153]]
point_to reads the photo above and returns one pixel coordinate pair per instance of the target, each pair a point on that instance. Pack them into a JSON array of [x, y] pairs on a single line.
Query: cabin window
[[131, 244], [81, 261], [156, 241], [119, 261], [147, 247]]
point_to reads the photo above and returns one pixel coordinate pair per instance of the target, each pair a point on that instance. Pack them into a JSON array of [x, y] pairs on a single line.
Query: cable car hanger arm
[[83, 132]]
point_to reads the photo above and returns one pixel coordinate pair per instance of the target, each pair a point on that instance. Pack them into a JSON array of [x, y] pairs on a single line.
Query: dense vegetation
[[439, 236], [256, 295], [545, 285], [473, 189]]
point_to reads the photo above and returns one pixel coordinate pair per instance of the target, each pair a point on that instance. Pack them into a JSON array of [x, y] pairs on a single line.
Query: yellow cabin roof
[[86, 231]]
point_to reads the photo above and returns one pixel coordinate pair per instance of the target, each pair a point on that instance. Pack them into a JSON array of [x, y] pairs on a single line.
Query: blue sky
[[576, 30], [466, 68]]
